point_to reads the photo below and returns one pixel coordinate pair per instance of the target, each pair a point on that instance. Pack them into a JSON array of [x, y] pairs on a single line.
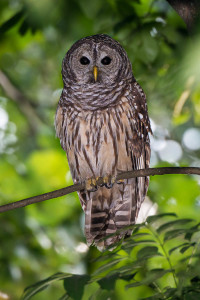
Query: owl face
[[96, 59]]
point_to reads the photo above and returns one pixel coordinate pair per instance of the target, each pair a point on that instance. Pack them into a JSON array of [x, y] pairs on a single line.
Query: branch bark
[[80, 186], [189, 11]]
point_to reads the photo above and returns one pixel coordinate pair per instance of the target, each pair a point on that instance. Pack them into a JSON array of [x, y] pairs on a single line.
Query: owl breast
[[96, 142]]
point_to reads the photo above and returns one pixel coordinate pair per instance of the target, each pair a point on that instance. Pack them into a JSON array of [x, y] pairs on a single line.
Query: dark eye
[[84, 60], [106, 60]]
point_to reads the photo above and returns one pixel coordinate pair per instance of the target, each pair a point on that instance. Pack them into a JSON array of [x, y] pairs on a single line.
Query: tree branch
[[81, 186], [189, 11]]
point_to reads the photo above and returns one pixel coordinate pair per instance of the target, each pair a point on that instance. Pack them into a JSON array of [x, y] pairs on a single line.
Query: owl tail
[[108, 211]]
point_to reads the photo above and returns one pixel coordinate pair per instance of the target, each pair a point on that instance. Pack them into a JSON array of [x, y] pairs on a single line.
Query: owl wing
[[139, 143]]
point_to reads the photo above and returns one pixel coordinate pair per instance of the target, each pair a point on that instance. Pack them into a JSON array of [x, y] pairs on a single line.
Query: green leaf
[[188, 257], [151, 276], [127, 270], [191, 231], [64, 297], [103, 295], [11, 22], [173, 234], [187, 247], [149, 49], [148, 252], [108, 265], [74, 285], [177, 247], [108, 282], [155, 218], [41, 285], [191, 295], [173, 223], [132, 244], [170, 293], [182, 118], [24, 27], [106, 256], [139, 235]]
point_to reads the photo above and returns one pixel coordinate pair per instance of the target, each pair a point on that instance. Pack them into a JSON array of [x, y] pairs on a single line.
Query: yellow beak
[[95, 72]]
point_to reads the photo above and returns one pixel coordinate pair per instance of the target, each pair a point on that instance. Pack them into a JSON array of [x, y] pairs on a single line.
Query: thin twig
[[80, 186]]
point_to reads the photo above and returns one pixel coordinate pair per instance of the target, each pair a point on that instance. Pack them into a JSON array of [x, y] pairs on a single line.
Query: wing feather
[[140, 147]]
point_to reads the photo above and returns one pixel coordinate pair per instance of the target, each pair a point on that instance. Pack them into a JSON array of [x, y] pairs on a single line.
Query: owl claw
[[91, 184], [109, 181]]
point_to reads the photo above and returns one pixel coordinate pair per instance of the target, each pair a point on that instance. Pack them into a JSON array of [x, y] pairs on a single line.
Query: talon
[[99, 181], [109, 181], [91, 185], [93, 181], [105, 179]]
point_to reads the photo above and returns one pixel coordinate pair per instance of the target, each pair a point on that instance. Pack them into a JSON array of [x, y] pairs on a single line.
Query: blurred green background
[[42, 239]]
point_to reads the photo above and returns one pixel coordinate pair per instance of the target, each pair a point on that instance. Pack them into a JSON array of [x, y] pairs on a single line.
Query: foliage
[[47, 238], [161, 255]]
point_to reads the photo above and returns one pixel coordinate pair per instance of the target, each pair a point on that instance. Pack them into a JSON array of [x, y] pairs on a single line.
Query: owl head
[[96, 59]]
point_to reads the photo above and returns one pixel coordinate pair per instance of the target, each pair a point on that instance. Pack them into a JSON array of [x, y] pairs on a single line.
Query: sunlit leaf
[[152, 276], [177, 247], [191, 231], [132, 244], [173, 234], [155, 218], [140, 234], [147, 252], [103, 295], [184, 249], [107, 255], [108, 265], [173, 223]]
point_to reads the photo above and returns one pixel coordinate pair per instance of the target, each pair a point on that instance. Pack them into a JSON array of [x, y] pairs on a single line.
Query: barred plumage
[[104, 128]]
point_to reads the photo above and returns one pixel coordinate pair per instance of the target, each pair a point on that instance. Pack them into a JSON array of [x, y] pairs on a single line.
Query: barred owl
[[103, 125]]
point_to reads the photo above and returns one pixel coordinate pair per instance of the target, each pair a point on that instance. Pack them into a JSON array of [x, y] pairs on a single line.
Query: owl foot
[[108, 181], [91, 184]]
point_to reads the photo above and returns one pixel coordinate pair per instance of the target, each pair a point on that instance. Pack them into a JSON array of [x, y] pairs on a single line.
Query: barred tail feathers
[[108, 210]]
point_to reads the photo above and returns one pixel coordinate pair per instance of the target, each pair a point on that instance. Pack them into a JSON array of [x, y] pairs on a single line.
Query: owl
[[103, 125]]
